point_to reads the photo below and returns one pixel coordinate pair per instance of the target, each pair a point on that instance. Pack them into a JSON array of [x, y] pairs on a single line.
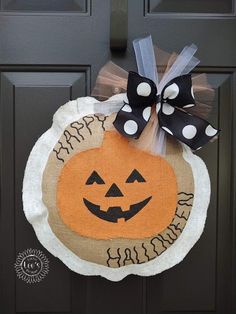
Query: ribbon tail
[[193, 131], [130, 121]]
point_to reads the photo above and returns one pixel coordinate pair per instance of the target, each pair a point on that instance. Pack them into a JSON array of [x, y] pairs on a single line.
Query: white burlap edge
[[37, 214]]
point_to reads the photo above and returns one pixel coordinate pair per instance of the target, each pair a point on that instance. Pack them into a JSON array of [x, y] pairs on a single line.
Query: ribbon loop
[[172, 95], [178, 92], [141, 91], [134, 115], [170, 104]]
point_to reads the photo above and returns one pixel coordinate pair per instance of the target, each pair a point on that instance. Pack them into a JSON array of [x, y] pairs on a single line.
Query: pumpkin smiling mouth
[[115, 212]]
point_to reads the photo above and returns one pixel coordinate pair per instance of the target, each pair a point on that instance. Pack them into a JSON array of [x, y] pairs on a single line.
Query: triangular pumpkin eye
[[135, 176], [94, 178]]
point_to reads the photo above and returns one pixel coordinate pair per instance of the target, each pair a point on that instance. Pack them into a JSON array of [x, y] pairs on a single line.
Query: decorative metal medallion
[[31, 266]]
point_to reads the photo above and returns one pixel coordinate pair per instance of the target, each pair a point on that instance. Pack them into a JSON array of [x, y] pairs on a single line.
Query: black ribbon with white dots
[[176, 96]]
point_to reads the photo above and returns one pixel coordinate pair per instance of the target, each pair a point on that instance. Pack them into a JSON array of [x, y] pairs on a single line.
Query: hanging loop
[[119, 25]]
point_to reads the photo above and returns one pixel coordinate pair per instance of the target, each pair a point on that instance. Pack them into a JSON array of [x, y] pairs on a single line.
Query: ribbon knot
[[176, 96]]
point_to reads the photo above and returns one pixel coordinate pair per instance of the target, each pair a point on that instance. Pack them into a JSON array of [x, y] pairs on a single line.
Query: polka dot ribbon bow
[[176, 96]]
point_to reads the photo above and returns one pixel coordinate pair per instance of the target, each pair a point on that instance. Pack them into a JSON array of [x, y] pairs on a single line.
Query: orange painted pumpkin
[[116, 191]]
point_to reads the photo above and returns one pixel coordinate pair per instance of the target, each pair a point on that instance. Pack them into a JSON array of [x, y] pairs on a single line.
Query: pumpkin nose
[[114, 191]]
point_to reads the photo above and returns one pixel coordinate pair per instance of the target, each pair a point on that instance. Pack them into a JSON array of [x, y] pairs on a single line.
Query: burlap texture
[[88, 133]]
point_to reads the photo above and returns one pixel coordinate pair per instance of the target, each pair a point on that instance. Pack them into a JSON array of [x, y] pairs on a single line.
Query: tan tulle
[[112, 80], [149, 139], [165, 61], [204, 96]]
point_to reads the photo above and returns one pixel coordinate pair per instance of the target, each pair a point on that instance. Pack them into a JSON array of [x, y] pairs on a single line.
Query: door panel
[[51, 52], [201, 283], [46, 5], [190, 6], [32, 99], [36, 97], [213, 33], [56, 36]]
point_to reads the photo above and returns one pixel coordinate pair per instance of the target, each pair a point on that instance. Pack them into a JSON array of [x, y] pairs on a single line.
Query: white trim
[[37, 214]]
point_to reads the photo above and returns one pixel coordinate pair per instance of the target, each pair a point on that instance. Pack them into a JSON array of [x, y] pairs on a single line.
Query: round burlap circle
[[88, 133]]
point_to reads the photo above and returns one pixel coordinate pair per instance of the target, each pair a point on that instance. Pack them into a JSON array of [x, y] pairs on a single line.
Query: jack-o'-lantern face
[[116, 191], [113, 213]]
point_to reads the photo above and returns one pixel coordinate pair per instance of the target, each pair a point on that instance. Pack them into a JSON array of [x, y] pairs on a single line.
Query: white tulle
[[145, 58], [113, 104], [161, 67], [146, 63], [183, 64]]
